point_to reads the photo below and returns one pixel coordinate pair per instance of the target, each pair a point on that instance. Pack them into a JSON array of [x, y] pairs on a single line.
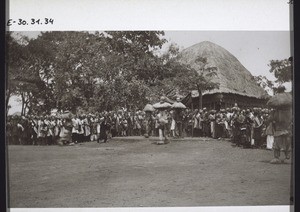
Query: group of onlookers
[[245, 127]]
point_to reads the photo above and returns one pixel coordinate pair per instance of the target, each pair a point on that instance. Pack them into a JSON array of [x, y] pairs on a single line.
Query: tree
[[282, 70], [135, 43], [135, 49], [265, 83], [22, 77], [11, 63], [95, 71], [28, 63], [191, 79]]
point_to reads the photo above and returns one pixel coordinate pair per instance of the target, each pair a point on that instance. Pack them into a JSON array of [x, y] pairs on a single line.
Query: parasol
[[162, 105], [281, 100], [17, 114], [149, 108], [66, 115], [178, 105], [213, 111], [166, 99]]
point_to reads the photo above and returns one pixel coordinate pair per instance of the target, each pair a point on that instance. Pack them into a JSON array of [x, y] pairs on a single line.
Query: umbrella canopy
[[17, 114], [213, 111], [178, 105], [162, 105], [66, 115], [281, 100], [168, 100], [149, 108]]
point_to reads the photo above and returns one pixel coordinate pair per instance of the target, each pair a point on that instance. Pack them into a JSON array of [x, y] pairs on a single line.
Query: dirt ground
[[135, 172]]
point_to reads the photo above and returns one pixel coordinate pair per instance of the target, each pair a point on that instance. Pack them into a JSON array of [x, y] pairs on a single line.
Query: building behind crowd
[[236, 84]]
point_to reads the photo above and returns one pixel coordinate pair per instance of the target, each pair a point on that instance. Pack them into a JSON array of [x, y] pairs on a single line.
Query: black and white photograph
[[154, 117], [149, 118]]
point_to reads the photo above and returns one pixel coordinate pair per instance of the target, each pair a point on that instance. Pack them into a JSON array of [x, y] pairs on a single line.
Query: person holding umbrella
[[148, 121], [178, 108], [65, 136], [104, 129], [282, 119], [162, 118]]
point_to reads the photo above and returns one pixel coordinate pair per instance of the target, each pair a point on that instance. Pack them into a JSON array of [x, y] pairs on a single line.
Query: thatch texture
[[162, 105], [281, 100], [178, 105], [232, 76], [149, 108], [168, 100]]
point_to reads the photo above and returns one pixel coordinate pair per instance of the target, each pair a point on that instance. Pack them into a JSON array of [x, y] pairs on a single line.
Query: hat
[[219, 115], [162, 99]]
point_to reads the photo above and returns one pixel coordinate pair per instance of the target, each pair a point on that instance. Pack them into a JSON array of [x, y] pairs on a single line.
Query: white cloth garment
[[173, 124], [270, 141]]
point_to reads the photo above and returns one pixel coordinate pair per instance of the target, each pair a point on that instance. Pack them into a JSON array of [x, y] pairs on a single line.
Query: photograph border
[[45, 5]]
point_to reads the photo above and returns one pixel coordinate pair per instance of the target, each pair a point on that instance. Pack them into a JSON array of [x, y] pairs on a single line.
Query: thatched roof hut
[[236, 84]]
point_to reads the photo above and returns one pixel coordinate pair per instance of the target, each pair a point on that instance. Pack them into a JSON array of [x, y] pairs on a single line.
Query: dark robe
[[104, 129]]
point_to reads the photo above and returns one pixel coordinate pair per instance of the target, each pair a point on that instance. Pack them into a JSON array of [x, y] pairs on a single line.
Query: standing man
[[282, 122], [236, 125], [75, 129], [104, 130], [269, 132], [67, 125], [282, 119], [162, 127], [178, 116], [206, 123]]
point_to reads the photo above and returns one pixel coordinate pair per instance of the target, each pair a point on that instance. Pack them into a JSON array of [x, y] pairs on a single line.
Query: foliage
[[201, 80], [82, 71], [265, 83], [23, 73], [71, 70], [282, 70]]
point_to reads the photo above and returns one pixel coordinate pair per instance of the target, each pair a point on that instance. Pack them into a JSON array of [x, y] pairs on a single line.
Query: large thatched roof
[[232, 76]]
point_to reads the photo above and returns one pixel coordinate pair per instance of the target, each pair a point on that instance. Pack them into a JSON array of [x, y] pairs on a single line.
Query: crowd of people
[[248, 128]]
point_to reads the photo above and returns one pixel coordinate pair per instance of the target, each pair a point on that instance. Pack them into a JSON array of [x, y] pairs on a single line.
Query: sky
[[254, 49]]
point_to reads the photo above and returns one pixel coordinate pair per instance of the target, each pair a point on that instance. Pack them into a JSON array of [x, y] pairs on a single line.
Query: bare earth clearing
[[134, 172]]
